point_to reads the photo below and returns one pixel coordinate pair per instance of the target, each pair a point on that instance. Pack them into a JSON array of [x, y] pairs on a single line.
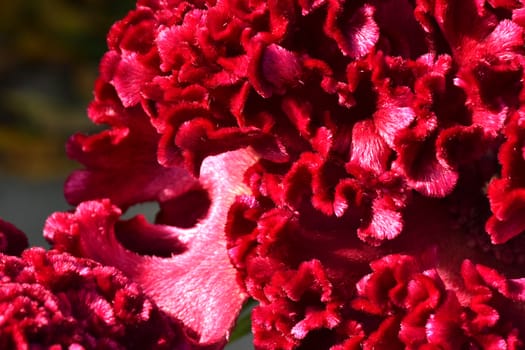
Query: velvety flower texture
[[12, 240], [185, 270], [50, 300], [354, 166]]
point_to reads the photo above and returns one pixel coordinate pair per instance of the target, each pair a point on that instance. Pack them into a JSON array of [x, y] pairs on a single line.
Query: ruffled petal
[[202, 292], [12, 240], [55, 300], [369, 150], [376, 127], [354, 29], [122, 165]]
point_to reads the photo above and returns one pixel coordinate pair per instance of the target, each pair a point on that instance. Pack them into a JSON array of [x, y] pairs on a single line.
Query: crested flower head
[[52, 299], [354, 166]]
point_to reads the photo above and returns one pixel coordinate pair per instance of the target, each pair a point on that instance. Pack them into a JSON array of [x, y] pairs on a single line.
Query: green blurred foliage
[[243, 325], [49, 53]]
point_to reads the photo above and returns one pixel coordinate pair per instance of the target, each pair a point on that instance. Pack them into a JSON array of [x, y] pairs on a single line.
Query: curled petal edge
[[203, 291]]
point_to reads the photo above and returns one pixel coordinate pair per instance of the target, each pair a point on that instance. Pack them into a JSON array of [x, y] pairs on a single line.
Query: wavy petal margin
[[197, 286]]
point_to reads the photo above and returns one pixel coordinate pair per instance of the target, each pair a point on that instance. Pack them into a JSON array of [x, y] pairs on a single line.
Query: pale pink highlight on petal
[[198, 286]]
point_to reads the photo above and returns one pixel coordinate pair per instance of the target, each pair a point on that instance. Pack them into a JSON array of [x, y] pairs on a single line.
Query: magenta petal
[[299, 112], [130, 76], [510, 288], [256, 49], [424, 172], [52, 300], [309, 5], [376, 126], [459, 145], [393, 115], [507, 222], [310, 278], [507, 194], [386, 222], [133, 33], [12, 240], [354, 30], [504, 39], [518, 16], [385, 334], [297, 304], [491, 122], [401, 35], [443, 327], [200, 138], [280, 68], [174, 43], [198, 286], [369, 150], [122, 165]]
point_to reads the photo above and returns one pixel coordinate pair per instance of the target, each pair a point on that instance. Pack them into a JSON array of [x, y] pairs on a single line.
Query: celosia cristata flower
[[53, 300], [12, 240], [360, 162], [186, 271]]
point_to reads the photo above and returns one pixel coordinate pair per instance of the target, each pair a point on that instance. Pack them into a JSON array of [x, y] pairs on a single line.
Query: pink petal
[[369, 150], [423, 171], [355, 31], [508, 221], [510, 288], [460, 145], [443, 327], [393, 115], [203, 291], [130, 76], [386, 222]]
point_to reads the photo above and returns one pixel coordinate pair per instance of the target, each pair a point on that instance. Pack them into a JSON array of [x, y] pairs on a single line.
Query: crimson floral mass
[[356, 167]]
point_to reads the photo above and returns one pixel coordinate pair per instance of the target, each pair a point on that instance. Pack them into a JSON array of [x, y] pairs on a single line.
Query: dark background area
[[49, 54]]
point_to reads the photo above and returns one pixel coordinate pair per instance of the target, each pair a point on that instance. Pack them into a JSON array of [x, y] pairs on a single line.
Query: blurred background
[[49, 54]]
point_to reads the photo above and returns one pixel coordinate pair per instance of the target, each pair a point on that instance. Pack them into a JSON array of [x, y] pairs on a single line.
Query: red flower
[[12, 240], [337, 151], [186, 271], [507, 194], [52, 300]]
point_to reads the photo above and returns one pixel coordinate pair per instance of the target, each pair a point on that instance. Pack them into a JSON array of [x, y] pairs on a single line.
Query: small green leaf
[[244, 323]]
